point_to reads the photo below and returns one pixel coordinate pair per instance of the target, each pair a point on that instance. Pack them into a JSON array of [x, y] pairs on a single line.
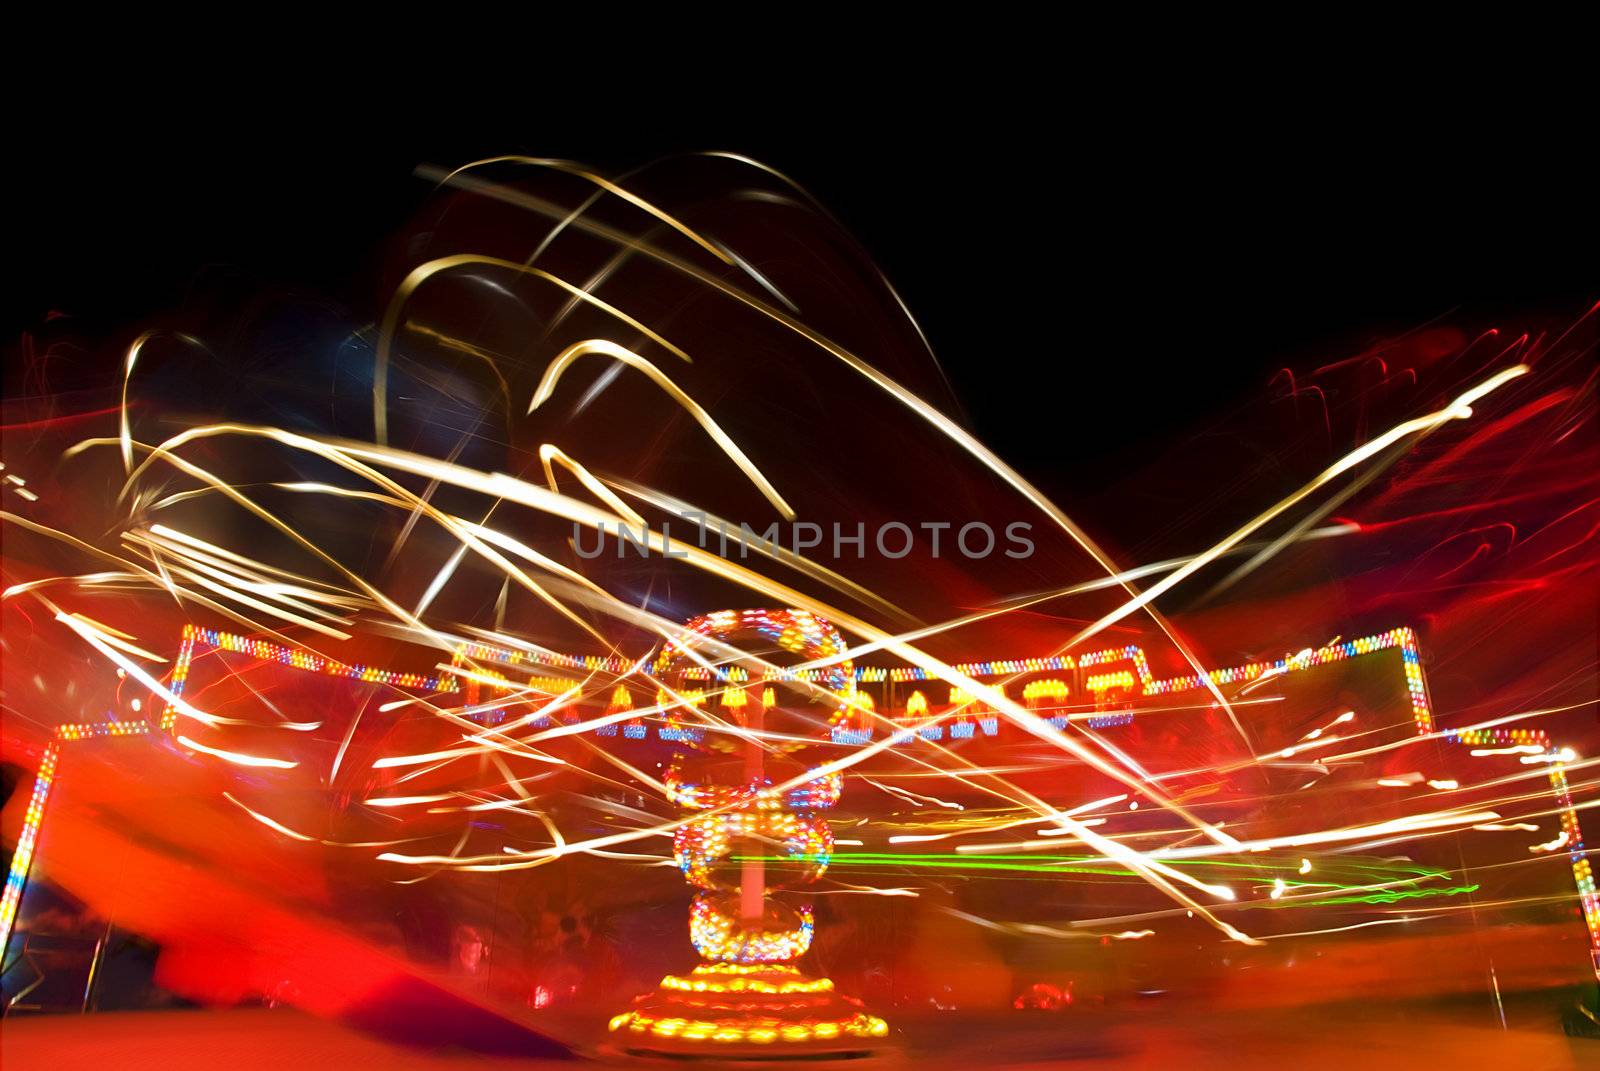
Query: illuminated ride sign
[[1122, 672]]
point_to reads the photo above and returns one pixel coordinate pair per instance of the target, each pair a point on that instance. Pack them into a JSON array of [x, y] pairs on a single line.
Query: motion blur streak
[[1313, 751]]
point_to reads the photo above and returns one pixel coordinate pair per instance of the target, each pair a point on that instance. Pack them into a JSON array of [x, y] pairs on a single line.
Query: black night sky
[[1186, 253]]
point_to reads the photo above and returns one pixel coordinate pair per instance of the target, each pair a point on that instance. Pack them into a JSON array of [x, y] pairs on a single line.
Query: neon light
[[1035, 692], [44, 778], [23, 859], [1105, 682], [1582, 871], [717, 935], [860, 1025], [749, 943], [296, 658], [1004, 667], [794, 635], [718, 978]]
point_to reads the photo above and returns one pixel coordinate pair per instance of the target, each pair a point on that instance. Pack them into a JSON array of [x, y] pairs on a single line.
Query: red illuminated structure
[[748, 994], [734, 805]]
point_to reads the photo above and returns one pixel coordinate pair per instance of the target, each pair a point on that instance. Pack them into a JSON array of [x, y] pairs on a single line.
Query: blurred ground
[[1153, 1034]]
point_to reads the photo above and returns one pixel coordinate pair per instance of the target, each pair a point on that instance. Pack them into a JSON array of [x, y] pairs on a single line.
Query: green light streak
[[1389, 897], [1338, 874]]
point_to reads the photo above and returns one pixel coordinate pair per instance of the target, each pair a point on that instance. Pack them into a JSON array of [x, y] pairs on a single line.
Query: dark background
[[1196, 243]]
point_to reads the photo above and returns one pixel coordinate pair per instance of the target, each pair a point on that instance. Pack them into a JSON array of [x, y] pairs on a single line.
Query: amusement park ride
[[753, 711]]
